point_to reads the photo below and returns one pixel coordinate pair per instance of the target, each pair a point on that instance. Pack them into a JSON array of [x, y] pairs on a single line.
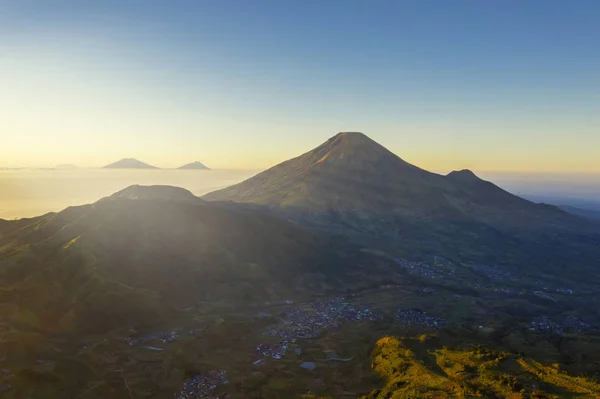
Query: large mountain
[[352, 185], [134, 257], [351, 172], [129, 163]]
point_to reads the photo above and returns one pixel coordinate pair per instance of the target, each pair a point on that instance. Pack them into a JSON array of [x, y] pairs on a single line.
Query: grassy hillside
[[146, 252], [354, 187], [413, 369]]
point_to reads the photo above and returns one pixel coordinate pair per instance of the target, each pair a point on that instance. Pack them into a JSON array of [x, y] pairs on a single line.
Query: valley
[[293, 284], [306, 346], [299, 199]]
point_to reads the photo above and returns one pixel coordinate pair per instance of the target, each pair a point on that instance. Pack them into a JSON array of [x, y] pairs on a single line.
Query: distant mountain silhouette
[[65, 166], [195, 165], [129, 163]]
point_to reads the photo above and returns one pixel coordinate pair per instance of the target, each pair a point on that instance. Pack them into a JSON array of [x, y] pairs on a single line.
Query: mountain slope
[[140, 254], [194, 165], [585, 213], [353, 186], [349, 172], [129, 163]]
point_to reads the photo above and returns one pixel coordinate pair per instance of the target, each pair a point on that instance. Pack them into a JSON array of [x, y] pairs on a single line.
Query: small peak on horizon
[[129, 163], [463, 174], [195, 165], [155, 192]]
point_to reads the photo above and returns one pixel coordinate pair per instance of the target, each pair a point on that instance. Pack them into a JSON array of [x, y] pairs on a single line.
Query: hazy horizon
[[244, 86], [33, 192]]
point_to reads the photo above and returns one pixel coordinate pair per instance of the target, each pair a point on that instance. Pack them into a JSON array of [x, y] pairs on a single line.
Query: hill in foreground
[[138, 255], [194, 166], [129, 163], [413, 368]]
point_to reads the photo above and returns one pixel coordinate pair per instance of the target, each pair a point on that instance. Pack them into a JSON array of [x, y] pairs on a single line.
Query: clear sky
[[489, 85]]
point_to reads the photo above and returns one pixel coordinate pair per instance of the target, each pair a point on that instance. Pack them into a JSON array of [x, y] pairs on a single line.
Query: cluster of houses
[[414, 317], [544, 324], [202, 385], [570, 324], [500, 290], [424, 270], [574, 324], [161, 336], [310, 321], [493, 272], [274, 351], [165, 337]]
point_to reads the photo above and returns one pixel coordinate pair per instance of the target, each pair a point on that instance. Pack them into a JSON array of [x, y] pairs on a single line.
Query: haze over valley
[[28, 193], [31, 192]]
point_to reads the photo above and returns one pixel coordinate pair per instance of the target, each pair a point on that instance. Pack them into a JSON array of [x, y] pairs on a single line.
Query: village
[[202, 386], [308, 321], [412, 317], [570, 324]]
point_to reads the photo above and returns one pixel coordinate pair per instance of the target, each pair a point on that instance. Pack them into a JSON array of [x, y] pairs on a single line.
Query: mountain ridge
[[138, 256], [348, 163], [354, 187], [351, 172], [155, 192]]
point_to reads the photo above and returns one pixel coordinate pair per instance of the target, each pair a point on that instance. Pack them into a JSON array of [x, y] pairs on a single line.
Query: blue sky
[[488, 85]]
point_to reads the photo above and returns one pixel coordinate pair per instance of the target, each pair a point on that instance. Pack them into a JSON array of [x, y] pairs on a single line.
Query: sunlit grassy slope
[[412, 368]]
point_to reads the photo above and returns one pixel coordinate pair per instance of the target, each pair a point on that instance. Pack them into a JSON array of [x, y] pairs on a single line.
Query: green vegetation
[[412, 370], [143, 254], [352, 186], [452, 260]]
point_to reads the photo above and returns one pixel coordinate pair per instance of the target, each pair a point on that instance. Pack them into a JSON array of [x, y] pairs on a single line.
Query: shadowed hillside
[[137, 255], [352, 186], [350, 173]]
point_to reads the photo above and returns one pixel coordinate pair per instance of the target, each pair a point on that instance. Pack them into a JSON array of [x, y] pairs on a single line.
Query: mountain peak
[[349, 171], [352, 138], [158, 192], [464, 174], [129, 163], [350, 147]]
